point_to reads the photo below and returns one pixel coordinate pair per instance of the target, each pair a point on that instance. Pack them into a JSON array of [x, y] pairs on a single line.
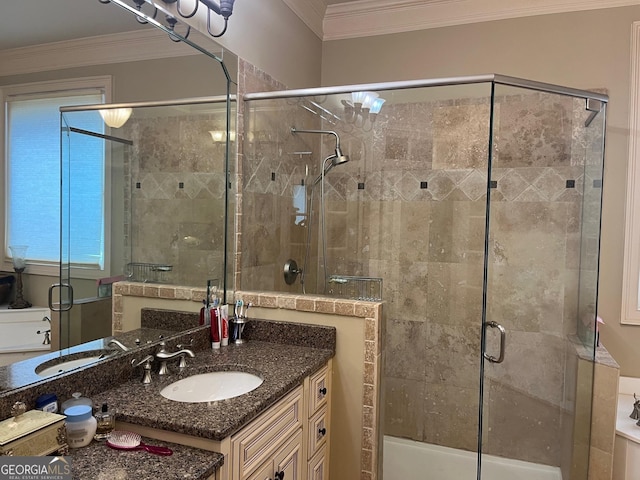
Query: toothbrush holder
[[240, 322]]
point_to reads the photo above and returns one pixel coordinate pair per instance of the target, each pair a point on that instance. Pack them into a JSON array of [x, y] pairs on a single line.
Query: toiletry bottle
[[47, 403], [215, 326], [81, 425], [224, 325], [77, 399], [106, 422], [202, 312]]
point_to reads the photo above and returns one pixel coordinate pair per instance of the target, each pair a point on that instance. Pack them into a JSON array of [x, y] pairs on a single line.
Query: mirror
[[167, 213]]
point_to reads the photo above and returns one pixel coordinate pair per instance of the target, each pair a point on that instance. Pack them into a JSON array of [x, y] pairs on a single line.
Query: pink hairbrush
[[132, 441]]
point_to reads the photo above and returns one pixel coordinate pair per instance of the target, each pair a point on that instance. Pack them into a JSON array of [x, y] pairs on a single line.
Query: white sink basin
[[68, 365], [210, 387]]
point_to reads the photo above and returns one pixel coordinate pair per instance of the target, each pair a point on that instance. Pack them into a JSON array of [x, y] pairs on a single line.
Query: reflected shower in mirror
[[141, 137]]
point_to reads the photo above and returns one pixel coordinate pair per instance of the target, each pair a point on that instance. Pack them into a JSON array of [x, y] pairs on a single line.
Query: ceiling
[[23, 25]]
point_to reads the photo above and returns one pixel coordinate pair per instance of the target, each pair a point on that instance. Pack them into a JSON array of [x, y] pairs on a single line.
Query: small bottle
[[224, 325], [47, 403], [215, 327], [106, 422], [81, 425]]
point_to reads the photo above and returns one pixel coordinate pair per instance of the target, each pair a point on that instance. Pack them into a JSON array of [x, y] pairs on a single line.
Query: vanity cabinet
[[290, 438]]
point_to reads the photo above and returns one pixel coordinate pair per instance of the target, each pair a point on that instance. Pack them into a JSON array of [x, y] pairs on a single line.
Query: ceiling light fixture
[[115, 117]]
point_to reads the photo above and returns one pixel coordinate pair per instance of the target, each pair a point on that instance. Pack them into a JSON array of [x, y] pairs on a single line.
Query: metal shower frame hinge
[[594, 106]]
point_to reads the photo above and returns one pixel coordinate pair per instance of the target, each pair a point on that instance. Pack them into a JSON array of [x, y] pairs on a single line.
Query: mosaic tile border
[[371, 312]]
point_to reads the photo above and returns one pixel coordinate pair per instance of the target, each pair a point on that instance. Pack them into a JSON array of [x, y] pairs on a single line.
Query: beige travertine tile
[[605, 401], [460, 134], [514, 412], [450, 416], [403, 408], [600, 464]]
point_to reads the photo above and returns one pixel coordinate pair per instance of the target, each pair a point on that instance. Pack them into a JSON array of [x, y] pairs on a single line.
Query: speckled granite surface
[[291, 352], [97, 461], [20, 374], [281, 366]]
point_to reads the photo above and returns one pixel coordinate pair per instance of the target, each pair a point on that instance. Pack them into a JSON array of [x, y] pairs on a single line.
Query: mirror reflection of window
[[300, 203]]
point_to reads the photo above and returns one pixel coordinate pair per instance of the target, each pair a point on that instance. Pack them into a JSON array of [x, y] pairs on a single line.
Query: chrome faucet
[[115, 342], [47, 336], [165, 355]]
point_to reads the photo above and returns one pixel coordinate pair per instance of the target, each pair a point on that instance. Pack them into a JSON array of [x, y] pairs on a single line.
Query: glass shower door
[[541, 285]]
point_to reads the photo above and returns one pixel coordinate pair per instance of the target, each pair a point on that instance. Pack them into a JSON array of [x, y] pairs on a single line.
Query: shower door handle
[[60, 307], [503, 335]]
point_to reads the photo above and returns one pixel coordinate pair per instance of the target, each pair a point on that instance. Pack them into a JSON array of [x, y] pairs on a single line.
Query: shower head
[[338, 157]]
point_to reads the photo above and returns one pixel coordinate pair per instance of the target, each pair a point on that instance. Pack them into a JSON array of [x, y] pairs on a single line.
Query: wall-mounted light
[[224, 9], [220, 136], [362, 107], [115, 117]]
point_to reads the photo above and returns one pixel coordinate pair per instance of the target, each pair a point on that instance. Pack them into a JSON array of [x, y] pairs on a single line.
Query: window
[[631, 275], [32, 174]]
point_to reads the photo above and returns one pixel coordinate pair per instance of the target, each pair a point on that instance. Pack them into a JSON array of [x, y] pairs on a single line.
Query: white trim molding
[[364, 18], [103, 49], [310, 12], [631, 267]]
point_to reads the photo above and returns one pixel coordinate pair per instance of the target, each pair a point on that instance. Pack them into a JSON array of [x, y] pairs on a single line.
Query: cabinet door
[[288, 460], [263, 473], [318, 468]]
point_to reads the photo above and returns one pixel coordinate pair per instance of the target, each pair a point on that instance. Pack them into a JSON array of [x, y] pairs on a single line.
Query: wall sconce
[[115, 117], [224, 9], [220, 136], [362, 107]]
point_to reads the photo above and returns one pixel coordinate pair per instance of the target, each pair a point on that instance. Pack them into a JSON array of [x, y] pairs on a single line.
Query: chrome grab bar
[[503, 335]]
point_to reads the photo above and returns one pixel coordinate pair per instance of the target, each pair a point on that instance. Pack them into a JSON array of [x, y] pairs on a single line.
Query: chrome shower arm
[[321, 132]]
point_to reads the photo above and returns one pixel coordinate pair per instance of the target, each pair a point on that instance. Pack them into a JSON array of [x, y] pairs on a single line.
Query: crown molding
[[104, 49], [310, 12], [364, 18]]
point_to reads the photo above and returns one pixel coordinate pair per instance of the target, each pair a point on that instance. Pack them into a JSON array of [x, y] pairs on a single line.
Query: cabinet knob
[[322, 431], [279, 475], [323, 391]]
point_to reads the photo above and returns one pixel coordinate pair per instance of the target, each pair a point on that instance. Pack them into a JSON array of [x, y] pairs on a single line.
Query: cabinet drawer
[[318, 467], [318, 390], [318, 431], [253, 445]]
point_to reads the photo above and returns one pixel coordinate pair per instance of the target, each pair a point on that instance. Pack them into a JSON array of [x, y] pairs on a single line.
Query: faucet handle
[[183, 361], [146, 365]]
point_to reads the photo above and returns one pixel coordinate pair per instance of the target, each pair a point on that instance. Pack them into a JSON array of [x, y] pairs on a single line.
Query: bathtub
[[410, 460], [19, 339], [626, 452]]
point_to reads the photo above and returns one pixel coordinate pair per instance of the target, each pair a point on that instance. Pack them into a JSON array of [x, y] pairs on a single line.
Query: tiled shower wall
[[410, 208], [174, 197]]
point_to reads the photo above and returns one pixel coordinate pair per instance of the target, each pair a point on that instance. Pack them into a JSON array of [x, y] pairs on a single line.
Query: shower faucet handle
[[635, 415]]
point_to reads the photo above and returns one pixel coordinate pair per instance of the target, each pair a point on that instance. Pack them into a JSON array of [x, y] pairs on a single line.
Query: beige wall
[[582, 50], [269, 35]]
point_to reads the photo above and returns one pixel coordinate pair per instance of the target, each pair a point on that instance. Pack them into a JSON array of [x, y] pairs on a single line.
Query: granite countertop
[[282, 367], [97, 461], [19, 374]]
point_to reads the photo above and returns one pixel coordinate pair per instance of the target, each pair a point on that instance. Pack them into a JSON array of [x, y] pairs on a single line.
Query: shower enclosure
[[165, 195], [477, 202]]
